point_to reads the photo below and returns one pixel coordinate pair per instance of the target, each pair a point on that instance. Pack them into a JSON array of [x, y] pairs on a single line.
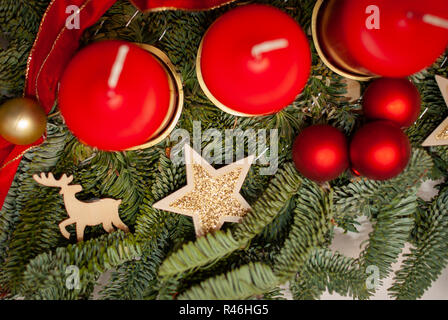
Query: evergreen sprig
[[46, 275], [243, 283], [365, 197], [425, 262], [332, 271], [215, 246], [312, 222]]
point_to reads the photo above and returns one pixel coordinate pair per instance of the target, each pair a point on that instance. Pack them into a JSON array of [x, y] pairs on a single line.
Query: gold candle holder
[[332, 61]]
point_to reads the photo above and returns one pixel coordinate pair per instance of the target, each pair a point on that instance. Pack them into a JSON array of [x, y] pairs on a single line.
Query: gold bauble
[[22, 121]]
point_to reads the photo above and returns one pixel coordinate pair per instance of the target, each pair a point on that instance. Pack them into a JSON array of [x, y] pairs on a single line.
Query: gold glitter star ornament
[[211, 196], [440, 136]]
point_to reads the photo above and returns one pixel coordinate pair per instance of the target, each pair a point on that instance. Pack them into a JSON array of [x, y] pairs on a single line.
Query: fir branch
[[312, 221], [332, 271], [199, 253], [37, 160], [213, 247], [273, 294], [30, 228], [156, 232], [151, 223], [19, 22], [279, 228], [364, 196], [135, 279], [392, 229], [245, 282], [424, 264], [46, 275], [282, 187]]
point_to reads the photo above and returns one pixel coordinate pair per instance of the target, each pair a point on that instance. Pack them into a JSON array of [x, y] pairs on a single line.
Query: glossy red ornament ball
[[388, 37], [254, 60], [320, 153], [379, 150], [397, 100], [114, 95]]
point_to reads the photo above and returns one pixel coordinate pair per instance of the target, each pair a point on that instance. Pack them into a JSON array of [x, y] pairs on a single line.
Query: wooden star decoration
[[211, 196], [439, 137]]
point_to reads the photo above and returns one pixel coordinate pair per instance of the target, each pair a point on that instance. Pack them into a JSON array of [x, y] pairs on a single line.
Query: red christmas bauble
[[114, 95], [380, 150], [397, 100], [254, 60], [387, 38], [320, 153]]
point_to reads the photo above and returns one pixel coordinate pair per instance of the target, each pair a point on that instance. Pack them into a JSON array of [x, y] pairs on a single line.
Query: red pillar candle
[[114, 95], [254, 60], [382, 37]]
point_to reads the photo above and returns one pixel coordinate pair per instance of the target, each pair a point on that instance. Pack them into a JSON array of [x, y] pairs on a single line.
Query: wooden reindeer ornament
[[104, 211]]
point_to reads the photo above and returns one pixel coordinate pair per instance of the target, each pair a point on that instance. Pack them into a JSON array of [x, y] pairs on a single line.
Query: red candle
[[254, 60], [383, 37], [114, 95]]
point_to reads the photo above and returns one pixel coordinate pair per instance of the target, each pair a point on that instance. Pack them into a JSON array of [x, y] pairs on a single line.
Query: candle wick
[[132, 18], [117, 67], [436, 21], [268, 46], [430, 19]]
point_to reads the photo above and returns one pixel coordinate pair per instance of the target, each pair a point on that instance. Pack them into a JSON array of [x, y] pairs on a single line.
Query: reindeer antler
[[50, 181]]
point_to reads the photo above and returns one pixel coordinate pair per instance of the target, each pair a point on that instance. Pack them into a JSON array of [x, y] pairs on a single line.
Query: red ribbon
[[54, 48], [148, 5]]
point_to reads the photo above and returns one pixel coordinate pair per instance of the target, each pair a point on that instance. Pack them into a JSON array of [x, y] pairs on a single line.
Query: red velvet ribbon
[[52, 50]]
